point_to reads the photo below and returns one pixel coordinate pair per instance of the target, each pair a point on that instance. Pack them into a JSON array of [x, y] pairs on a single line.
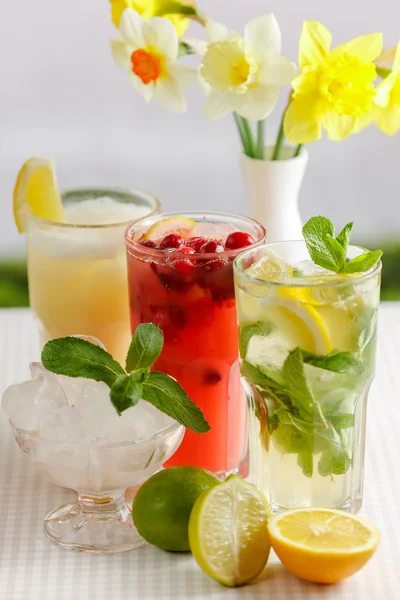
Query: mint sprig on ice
[[330, 252], [76, 357]]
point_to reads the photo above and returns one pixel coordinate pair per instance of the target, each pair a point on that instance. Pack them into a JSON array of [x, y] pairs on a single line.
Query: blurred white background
[[62, 96]]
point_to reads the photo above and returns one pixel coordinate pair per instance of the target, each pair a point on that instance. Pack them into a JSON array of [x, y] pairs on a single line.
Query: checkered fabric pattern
[[32, 568]]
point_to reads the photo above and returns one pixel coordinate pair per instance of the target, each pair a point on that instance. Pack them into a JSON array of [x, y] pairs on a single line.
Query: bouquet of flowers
[[340, 90]]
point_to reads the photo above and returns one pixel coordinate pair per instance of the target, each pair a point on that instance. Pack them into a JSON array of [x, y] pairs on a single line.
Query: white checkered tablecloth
[[32, 568]]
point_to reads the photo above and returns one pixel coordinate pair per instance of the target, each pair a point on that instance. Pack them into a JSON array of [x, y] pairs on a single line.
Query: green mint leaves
[[145, 347], [299, 422], [330, 252], [76, 357]]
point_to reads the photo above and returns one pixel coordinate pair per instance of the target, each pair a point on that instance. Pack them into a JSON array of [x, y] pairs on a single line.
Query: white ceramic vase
[[273, 189]]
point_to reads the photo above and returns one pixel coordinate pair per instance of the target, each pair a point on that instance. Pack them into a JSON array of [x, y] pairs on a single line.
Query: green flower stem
[[242, 134], [297, 151], [249, 134], [279, 141], [382, 72], [260, 140], [245, 134]]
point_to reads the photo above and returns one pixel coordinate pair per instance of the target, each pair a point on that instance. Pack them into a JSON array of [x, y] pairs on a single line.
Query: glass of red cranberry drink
[[180, 277]]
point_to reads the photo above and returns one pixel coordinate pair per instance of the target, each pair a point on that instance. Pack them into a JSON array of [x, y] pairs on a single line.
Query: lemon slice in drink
[[36, 193], [322, 545], [271, 267], [228, 532], [179, 224]]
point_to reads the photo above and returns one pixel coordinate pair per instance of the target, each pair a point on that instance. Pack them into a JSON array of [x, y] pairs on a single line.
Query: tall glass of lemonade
[[307, 340], [77, 269]]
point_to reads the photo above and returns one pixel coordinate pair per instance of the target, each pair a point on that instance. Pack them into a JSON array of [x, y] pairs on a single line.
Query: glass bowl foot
[[74, 528]]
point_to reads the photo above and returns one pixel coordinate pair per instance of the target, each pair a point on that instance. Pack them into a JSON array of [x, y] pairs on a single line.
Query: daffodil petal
[[277, 70], [315, 42], [130, 26], [364, 121], [219, 104], [301, 123], [146, 91], [263, 36], [120, 53], [117, 8], [388, 119], [384, 90], [169, 95], [161, 34], [338, 127], [184, 75], [258, 103], [367, 47], [217, 32], [396, 62], [180, 22], [306, 84]]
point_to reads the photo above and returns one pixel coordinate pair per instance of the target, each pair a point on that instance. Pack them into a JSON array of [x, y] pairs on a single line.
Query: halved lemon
[[322, 545], [36, 193], [180, 225], [228, 532]]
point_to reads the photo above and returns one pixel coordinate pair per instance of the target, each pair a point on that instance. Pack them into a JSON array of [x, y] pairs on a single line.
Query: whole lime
[[162, 506]]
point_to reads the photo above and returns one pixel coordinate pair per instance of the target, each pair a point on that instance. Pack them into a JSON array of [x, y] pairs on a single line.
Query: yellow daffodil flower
[[148, 9], [147, 51], [335, 88], [386, 112], [244, 74]]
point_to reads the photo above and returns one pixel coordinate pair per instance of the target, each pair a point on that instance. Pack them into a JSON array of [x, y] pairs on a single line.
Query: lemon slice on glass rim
[[179, 224], [36, 193], [322, 545]]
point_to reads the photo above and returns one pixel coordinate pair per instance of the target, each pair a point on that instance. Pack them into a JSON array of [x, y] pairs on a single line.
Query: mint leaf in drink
[[145, 348], [127, 390], [344, 421], [297, 386], [338, 362], [344, 236], [246, 332], [315, 231], [330, 253], [76, 357], [305, 458], [296, 383], [167, 395], [362, 263], [337, 251]]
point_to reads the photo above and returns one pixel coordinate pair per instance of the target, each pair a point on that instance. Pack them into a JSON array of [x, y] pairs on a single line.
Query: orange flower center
[[146, 65]]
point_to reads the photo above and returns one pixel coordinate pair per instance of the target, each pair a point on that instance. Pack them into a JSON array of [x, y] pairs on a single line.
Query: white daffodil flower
[[148, 52], [245, 74]]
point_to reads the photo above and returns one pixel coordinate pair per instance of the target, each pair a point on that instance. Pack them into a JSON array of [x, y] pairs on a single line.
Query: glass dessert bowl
[[73, 434]]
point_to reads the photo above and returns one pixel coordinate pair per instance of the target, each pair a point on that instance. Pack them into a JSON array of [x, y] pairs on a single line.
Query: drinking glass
[[307, 340], [77, 272], [197, 314]]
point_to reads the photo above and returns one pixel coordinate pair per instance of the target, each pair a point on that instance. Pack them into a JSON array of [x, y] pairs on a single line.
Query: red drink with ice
[[180, 277]]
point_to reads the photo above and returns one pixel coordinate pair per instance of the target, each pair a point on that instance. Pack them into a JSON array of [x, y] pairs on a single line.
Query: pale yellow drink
[[77, 270]]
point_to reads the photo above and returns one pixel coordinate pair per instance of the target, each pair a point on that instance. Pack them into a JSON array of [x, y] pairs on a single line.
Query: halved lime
[[228, 532]]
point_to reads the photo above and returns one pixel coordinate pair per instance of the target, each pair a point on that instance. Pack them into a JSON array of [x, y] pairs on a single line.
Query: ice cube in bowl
[[74, 447]]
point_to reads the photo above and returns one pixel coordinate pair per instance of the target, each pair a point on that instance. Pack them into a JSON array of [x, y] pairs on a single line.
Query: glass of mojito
[[307, 341], [77, 268]]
